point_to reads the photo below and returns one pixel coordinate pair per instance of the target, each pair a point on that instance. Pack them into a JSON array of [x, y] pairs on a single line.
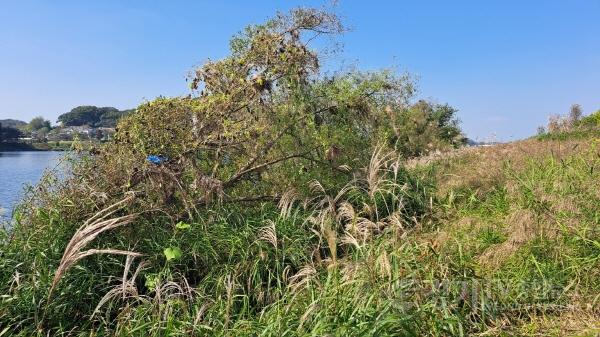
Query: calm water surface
[[17, 169]]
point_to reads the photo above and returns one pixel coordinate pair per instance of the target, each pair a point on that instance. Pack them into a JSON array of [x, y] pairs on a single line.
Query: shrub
[[425, 127], [591, 121], [573, 123]]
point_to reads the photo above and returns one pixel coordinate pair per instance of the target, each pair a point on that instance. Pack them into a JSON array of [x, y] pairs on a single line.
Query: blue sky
[[506, 65]]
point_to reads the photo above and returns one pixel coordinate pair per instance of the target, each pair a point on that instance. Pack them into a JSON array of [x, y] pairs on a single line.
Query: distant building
[[84, 131]]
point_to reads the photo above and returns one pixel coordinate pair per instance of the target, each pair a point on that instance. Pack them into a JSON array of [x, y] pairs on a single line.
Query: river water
[[17, 170]]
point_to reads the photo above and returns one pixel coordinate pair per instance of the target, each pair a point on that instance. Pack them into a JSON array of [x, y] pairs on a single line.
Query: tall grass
[[394, 252]]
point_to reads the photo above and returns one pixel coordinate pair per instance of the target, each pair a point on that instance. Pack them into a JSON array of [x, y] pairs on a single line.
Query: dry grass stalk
[[384, 266], [337, 219], [311, 309], [349, 239], [378, 163], [286, 203], [269, 234], [127, 287], [302, 277], [93, 227], [203, 309], [350, 270], [331, 238]]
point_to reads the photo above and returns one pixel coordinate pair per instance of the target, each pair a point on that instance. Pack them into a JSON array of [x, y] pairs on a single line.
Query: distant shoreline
[[51, 146]]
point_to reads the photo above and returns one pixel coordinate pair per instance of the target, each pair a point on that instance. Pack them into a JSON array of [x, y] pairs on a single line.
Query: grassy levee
[[498, 240], [526, 214]]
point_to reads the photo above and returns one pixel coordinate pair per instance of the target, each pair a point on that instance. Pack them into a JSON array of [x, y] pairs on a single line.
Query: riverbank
[[49, 146]]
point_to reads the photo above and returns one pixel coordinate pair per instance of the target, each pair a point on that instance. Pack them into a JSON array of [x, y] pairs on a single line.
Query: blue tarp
[[157, 160]]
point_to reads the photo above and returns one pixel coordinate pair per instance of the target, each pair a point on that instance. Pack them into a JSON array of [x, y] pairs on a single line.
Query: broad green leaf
[[173, 253], [151, 281], [182, 225]]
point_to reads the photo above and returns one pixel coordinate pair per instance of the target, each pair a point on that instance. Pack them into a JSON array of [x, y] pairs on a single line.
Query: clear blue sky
[[506, 65]]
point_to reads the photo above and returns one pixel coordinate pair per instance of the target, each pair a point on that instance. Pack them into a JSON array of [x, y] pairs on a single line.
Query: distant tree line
[[40, 128], [572, 121], [92, 116], [9, 133], [13, 123]]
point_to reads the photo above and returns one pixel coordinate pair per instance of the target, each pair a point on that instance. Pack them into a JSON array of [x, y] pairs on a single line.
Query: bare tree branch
[[239, 175]]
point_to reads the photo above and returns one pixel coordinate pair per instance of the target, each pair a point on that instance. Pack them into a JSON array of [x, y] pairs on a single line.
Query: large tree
[[260, 122], [426, 126], [264, 121], [38, 123]]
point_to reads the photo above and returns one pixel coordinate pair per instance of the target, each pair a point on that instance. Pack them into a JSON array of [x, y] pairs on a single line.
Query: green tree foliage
[[8, 134], [38, 123], [92, 116], [13, 123], [573, 123], [591, 121], [42, 133], [80, 115], [265, 119], [110, 117], [424, 127]]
